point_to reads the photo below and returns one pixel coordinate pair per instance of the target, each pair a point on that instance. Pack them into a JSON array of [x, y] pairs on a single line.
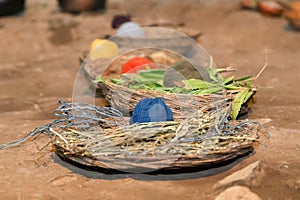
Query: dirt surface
[[38, 64]]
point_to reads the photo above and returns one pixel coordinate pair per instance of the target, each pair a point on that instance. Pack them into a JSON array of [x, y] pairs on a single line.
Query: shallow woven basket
[[206, 139], [125, 99], [78, 157]]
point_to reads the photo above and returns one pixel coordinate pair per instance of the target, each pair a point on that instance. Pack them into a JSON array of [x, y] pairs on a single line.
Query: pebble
[[237, 193], [36, 107], [247, 176], [293, 183]]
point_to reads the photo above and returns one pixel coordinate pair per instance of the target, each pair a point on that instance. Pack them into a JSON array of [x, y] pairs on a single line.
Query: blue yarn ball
[[151, 110]]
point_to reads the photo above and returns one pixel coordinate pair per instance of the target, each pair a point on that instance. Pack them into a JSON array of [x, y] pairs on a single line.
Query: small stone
[[247, 176], [290, 183], [293, 183], [36, 107], [237, 193], [283, 165]]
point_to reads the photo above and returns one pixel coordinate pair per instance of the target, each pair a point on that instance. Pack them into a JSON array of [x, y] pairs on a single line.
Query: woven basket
[[114, 165], [206, 139], [125, 99]]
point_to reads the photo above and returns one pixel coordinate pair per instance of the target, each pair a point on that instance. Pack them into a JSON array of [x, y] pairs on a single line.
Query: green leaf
[[213, 74], [116, 81], [149, 76], [243, 78], [232, 86], [160, 82], [207, 91], [194, 84], [156, 74], [147, 67], [228, 80], [176, 90], [214, 90], [152, 71], [98, 79], [128, 76], [142, 79], [153, 86], [248, 96], [237, 102]]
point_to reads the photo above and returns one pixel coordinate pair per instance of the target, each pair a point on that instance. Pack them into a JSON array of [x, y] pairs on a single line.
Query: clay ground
[[39, 61]]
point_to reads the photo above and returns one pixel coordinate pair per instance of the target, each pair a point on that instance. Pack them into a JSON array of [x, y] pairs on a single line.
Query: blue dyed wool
[[151, 110]]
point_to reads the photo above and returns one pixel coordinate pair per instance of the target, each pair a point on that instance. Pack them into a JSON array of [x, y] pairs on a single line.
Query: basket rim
[[181, 163]]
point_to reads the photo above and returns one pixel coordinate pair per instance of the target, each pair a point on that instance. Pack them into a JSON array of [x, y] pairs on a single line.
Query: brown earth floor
[[38, 65]]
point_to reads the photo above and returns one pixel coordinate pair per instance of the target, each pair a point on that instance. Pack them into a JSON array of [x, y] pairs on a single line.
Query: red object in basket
[[270, 8], [136, 64]]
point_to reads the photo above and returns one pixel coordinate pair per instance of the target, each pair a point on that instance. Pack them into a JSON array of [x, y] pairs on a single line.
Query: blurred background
[[41, 44]]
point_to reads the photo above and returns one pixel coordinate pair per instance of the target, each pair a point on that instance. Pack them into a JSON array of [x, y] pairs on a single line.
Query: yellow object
[[101, 48]]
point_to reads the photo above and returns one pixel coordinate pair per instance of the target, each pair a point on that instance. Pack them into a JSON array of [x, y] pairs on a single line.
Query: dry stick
[[45, 146], [60, 136], [227, 69], [233, 137], [79, 133], [262, 69]]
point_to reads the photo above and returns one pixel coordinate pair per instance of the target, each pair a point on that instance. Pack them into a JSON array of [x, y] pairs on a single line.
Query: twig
[[60, 136], [262, 69]]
